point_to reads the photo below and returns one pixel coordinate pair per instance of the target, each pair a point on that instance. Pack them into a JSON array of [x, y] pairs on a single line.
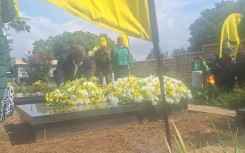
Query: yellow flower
[[157, 85], [46, 97], [131, 81], [37, 82], [79, 88], [137, 93], [115, 93], [171, 93]]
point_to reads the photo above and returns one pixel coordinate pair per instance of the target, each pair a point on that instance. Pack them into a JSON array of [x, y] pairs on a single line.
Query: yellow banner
[[124, 16], [229, 39]]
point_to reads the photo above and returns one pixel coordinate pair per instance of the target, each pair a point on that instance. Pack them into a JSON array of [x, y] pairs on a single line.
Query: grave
[[28, 99], [46, 122]]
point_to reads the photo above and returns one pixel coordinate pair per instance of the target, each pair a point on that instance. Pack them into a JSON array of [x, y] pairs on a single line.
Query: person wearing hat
[[103, 62]]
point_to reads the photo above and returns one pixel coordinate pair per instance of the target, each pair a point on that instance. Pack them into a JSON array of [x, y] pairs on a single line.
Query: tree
[[64, 42], [151, 55], [19, 24], [179, 51], [207, 28]]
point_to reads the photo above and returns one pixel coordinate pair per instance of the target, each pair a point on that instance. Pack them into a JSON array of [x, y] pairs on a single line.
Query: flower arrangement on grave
[[79, 91], [138, 90], [123, 91]]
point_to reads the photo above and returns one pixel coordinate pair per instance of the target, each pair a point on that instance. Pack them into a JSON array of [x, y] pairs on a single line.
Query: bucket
[[197, 80]]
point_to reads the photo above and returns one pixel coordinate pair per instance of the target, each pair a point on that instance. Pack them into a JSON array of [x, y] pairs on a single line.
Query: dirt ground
[[146, 137]]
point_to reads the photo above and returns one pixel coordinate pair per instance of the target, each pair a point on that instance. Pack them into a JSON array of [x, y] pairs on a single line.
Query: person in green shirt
[[199, 64], [121, 59]]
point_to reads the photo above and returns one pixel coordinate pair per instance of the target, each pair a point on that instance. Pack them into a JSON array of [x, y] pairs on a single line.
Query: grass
[[214, 97], [182, 146], [233, 100]]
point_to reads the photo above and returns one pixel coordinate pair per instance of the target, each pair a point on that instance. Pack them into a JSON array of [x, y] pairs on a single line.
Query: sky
[[173, 16]]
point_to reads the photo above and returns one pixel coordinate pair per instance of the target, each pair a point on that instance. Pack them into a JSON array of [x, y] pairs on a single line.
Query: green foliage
[[19, 24], [205, 96], [38, 66], [207, 28], [215, 97], [234, 99], [63, 43], [179, 51], [43, 45], [37, 87]]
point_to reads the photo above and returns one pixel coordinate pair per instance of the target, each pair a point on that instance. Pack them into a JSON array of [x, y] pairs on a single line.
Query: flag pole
[[155, 40]]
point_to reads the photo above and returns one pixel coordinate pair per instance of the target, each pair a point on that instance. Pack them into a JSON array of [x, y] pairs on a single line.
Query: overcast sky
[[174, 18]]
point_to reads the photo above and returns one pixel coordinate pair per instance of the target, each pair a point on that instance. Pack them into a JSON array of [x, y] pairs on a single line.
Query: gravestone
[[28, 99], [54, 121]]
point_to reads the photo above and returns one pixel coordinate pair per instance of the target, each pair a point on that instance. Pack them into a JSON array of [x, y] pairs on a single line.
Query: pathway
[[212, 110]]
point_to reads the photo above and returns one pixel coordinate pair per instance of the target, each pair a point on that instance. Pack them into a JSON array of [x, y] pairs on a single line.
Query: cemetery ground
[[195, 127]]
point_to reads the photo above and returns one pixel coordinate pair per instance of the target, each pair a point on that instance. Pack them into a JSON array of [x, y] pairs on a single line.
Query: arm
[[60, 71]]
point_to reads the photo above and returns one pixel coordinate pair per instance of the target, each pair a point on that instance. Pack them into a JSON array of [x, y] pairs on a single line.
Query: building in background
[[19, 73]]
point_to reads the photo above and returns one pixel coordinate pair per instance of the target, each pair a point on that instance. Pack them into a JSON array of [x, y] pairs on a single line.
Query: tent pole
[[155, 40]]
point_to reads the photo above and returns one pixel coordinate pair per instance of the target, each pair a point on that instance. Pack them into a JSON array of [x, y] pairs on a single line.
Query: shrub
[[38, 66], [234, 99], [214, 97], [37, 87]]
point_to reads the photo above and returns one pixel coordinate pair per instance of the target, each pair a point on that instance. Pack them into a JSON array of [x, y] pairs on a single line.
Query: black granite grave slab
[[46, 121], [29, 99], [54, 121], [42, 113]]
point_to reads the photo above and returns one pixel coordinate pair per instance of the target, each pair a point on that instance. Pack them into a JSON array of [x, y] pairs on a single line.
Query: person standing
[[73, 65], [121, 59], [103, 62]]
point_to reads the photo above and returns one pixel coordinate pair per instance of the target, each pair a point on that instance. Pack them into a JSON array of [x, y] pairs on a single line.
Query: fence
[[179, 65]]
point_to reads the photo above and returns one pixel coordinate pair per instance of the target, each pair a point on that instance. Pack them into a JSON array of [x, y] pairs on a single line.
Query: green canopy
[[7, 13]]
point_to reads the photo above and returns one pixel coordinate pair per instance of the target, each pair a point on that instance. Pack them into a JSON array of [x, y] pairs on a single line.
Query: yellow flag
[[229, 36], [125, 39], [16, 7], [124, 16]]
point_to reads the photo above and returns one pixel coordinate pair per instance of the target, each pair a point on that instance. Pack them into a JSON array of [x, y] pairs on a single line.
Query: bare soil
[[146, 137]]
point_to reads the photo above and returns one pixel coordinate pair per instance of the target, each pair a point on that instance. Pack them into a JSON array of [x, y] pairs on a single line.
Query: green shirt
[[122, 56]]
